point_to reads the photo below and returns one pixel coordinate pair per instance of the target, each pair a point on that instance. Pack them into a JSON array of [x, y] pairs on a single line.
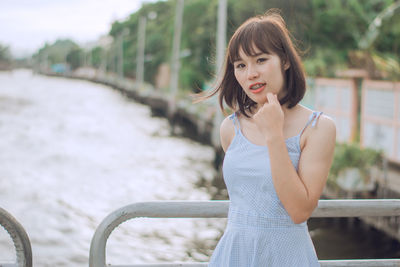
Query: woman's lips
[[258, 90]]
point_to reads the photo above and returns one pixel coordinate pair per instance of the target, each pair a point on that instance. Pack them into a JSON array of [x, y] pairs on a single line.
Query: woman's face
[[259, 74]]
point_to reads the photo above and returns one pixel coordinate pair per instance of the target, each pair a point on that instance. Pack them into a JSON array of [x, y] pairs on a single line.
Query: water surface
[[74, 151]]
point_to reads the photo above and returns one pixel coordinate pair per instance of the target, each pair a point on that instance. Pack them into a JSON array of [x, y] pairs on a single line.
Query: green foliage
[[387, 65], [57, 52], [96, 56], [74, 58], [335, 29], [158, 44], [324, 62], [326, 30], [5, 55], [6, 61], [197, 37], [353, 156], [388, 45]]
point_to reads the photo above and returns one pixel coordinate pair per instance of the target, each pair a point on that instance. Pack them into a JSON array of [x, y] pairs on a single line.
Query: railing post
[[19, 237]]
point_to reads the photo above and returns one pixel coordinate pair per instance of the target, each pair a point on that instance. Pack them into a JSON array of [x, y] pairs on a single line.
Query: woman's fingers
[[272, 98]]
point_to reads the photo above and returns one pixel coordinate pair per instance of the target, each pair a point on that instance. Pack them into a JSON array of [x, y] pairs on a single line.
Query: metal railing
[[219, 209], [19, 238]]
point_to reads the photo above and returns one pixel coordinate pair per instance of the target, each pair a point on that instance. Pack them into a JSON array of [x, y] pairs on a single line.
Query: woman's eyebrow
[[258, 54], [253, 55]]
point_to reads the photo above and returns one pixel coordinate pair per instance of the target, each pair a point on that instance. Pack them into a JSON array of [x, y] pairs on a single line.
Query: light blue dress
[[259, 231]]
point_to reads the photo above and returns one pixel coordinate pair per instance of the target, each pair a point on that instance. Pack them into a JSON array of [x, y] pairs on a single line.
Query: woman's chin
[[262, 101]]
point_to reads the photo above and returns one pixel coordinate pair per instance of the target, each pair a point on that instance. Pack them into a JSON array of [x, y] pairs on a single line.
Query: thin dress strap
[[235, 121], [313, 118]]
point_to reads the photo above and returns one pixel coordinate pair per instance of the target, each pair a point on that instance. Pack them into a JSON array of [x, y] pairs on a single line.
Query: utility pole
[[90, 60], [140, 51], [220, 53], [46, 60], [121, 36], [105, 44], [103, 63], [221, 34], [113, 56], [120, 47], [175, 56]]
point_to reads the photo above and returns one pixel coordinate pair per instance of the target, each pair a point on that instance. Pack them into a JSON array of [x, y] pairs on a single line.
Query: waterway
[[73, 151]]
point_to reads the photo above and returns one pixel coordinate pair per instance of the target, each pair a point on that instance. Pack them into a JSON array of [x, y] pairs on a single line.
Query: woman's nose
[[252, 73]]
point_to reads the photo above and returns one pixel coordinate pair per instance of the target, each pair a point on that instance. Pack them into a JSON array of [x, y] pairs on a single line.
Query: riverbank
[[196, 120], [187, 119]]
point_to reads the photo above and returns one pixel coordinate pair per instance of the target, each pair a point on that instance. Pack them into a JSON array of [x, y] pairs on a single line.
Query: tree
[[74, 58], [97, 55], [5, 55], [5, 58]]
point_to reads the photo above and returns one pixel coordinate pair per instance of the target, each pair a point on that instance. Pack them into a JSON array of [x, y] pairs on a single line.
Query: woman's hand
[[269, 118]]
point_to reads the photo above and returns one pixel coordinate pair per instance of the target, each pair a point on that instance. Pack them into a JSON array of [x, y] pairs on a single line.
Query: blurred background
[[96, 113]]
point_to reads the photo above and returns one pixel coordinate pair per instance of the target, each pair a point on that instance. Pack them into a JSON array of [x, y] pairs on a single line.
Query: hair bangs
[[251, 38]]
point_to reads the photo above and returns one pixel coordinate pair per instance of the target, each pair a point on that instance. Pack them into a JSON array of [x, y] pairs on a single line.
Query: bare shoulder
[[326, 127], [324, 132], [227, 132]]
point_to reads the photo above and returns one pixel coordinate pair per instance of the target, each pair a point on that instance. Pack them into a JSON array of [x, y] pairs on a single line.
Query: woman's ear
[[286, 64]]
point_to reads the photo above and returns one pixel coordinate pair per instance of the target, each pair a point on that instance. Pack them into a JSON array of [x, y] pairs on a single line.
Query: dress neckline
[[265, 146], [238, 131]]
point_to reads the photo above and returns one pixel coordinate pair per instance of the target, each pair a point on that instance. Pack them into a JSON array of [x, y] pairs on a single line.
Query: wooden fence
[[380, 117], [375, 113], [336, 98]]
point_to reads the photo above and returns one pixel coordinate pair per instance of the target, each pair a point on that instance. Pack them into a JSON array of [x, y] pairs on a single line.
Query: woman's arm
[[299, 191], [226, 132]]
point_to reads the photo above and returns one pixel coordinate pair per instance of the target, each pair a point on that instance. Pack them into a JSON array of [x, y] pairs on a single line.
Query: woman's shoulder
[[324, 121], [227, 130], [227, 124], [323, 128], [327, 127], [319, 127], [325, 124]]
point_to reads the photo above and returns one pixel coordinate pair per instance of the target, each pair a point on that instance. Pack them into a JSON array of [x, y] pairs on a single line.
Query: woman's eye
[[262, 59], [240, 65]]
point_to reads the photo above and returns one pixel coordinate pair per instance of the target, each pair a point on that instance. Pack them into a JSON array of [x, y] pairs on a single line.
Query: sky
[[26, 25]]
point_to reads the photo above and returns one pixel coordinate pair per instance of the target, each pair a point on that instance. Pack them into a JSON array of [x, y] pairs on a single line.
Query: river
[[74, 151]]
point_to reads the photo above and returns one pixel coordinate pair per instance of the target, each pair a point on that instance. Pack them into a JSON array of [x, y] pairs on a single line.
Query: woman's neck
[[284, 107]]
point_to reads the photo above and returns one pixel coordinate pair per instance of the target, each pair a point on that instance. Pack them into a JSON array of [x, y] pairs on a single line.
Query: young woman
[[278, 152]]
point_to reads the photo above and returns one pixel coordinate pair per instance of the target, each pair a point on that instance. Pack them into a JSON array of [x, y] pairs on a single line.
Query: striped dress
[[259, 231]]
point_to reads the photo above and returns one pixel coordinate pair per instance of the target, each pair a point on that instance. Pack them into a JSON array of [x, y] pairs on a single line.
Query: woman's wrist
[[274, 138]]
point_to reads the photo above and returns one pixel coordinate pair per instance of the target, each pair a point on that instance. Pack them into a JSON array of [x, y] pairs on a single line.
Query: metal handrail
[[20, 239], [219, 209]]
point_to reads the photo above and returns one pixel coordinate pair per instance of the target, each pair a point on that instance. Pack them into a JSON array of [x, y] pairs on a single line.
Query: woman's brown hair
[[269, 34]]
